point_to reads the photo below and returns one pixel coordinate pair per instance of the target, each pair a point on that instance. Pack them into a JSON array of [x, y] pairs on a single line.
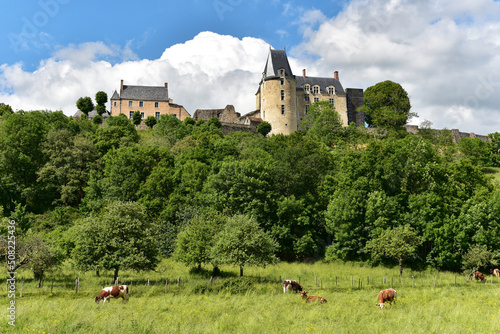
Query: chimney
[[336, 75], [166, 85], [304, 72], [121, 86]]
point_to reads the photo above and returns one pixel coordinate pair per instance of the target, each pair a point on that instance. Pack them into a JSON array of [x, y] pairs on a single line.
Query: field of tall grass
[[428, 302]]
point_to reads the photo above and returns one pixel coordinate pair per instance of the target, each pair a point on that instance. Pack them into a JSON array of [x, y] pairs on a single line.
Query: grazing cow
[[113, 292], [387, 295], [293, 284], [479, 276], [495, 272], [309, 299]]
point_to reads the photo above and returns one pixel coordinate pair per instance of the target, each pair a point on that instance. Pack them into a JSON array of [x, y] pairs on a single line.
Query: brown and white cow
[[479, 276], [309, 299], [387, 295], [294, 285], [495, 272], [113, 292]]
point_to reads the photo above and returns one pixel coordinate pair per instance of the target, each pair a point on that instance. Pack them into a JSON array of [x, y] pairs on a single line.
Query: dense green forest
[[108, 196]]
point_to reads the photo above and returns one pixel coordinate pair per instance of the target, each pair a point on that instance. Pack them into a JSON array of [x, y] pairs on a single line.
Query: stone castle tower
[[283, 98]]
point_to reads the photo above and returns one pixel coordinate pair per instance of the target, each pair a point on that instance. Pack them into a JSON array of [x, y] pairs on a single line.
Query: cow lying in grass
[[309, 299], [387, 295], [113, 292]]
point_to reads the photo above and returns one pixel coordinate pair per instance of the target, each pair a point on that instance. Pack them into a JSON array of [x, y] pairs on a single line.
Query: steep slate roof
[[277, 59], [115, 96], [147, 93], [322, 82]]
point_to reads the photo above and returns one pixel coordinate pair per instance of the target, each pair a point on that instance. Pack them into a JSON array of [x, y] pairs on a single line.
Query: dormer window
[[331, 90], [307, 88], [282, 72], [315, 89]]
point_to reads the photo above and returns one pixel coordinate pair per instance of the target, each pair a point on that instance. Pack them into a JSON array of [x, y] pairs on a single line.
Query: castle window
[[282, 72], [130, 103], [315, 89], [282, 109], [331, 90], [307, 88], [131, 114], [157, 115], [114, 103], [282, 95], [307, 108], [307, 98], [142, 115], [156, 104], [282, 81], [175, 115], [332, 101], [141, 104], [316, 99]]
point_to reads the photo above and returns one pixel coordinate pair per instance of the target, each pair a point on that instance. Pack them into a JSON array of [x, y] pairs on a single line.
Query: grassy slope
[[464, 308]]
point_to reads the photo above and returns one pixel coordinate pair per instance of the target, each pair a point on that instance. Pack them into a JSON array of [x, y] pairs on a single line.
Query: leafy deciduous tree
[[85, 105], [243, 243], [399, 243]]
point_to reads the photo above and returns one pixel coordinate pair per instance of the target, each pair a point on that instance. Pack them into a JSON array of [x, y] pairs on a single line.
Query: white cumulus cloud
[[209, 71]]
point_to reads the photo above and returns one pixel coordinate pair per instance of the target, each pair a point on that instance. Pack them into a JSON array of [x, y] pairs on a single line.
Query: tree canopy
[[387, 106]]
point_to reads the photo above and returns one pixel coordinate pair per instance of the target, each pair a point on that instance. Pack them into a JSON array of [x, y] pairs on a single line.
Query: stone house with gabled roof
[[283, 98], [148, 100]]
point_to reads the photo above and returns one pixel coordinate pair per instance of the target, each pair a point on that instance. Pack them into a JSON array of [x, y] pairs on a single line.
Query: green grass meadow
[[431, 303]]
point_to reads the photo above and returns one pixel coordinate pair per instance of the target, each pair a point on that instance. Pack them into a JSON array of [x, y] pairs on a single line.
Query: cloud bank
[[209, 71]]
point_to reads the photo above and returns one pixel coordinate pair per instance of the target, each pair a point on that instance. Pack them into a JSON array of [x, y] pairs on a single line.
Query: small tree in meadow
[[399, 243], [477, 257], [243, 243], [130, 241]]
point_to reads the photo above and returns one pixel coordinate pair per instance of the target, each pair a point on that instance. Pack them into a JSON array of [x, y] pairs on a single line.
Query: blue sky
[[33, 31], [445, 54]]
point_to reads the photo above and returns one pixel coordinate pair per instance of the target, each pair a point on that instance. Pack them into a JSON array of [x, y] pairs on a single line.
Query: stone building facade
[[148, 100], [282, 98]]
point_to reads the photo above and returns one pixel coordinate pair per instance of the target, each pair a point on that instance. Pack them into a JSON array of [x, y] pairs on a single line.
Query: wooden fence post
[[413, 281], [316, 280], [434, 281], [76, 285], [22, 286], [179, 280], [368, 280], [383, 281], [166, 284], [148, 281], [351, 281]]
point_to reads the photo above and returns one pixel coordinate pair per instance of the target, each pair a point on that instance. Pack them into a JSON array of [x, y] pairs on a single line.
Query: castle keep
[[282, 98]]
